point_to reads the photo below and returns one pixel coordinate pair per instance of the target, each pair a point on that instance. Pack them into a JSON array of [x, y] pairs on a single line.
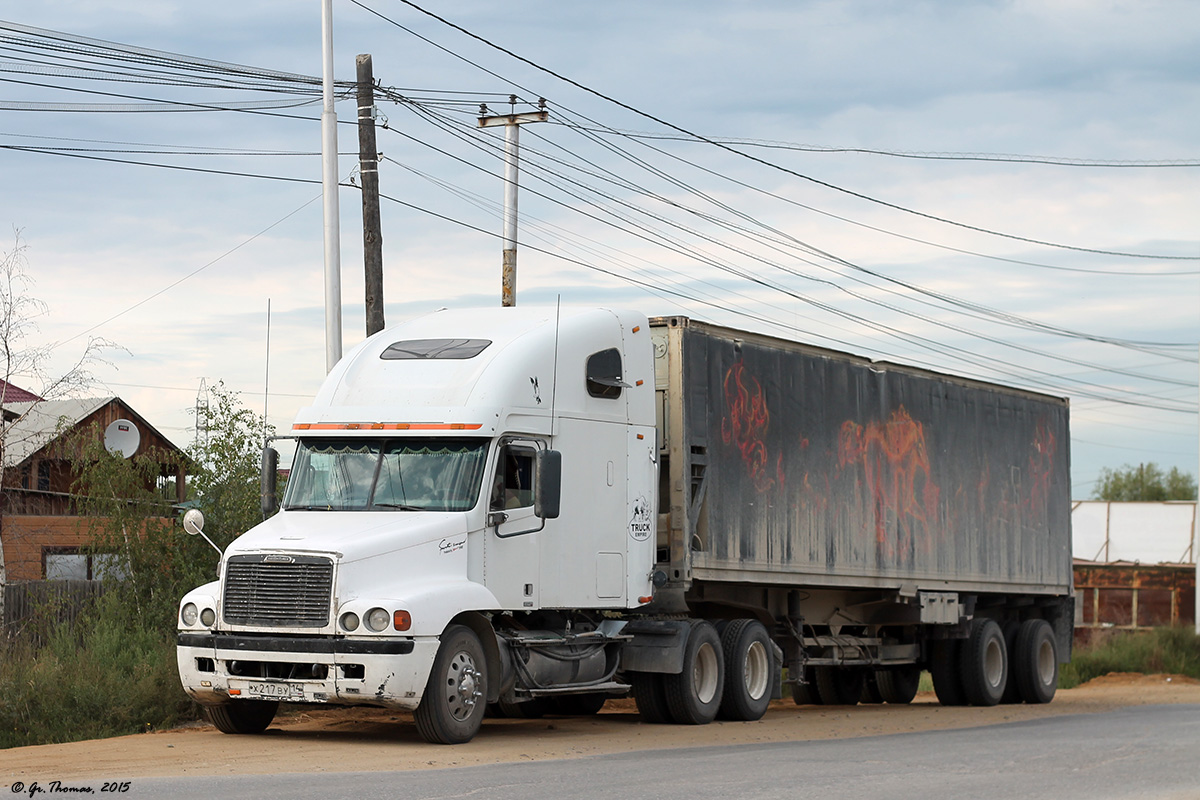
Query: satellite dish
[[121, 438]]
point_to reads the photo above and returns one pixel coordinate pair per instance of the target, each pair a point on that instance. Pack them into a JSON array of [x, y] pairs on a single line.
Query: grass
[[103, 677], [1175, 651]]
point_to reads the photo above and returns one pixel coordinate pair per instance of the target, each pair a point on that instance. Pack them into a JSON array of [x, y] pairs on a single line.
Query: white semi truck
[[528, 511]]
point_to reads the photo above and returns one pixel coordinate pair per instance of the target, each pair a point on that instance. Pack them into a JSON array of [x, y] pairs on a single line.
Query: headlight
[[208, 617], [378, 619], [189, 614], [349, 621]]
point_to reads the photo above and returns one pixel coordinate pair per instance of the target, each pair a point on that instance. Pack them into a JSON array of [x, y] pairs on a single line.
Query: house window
[[71, 564], [43, 479], [604, 374]]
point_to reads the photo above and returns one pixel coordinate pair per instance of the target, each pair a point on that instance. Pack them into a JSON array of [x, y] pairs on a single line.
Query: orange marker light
[[644, 600], [235, 691], [637, 328], [401, 620]]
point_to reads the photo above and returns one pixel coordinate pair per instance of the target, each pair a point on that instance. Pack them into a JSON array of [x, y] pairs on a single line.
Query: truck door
[[511, 565]]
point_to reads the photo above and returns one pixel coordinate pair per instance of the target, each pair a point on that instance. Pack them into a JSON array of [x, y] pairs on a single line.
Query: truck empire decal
[[639, 523]]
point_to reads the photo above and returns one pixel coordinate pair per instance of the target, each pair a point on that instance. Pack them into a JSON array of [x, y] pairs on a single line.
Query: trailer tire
[[1012, 694], [943, 668], [1036, 664], [839, 686], [694, 695], [898, 685], [651, 697], [983, 663], [242, 716], [870, 692], [455, 699], [805, 694], [749, 670]]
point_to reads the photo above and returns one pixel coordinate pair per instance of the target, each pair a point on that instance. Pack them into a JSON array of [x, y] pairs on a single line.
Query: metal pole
[[508, 273], [368, 165], [512, 123], [329, 191], [1196, 542]]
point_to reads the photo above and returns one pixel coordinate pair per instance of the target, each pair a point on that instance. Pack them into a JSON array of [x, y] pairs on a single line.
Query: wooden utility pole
[[368, 167], [512, 123]]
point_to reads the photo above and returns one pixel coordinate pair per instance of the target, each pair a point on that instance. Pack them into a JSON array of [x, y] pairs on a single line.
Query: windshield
[[370, 474]]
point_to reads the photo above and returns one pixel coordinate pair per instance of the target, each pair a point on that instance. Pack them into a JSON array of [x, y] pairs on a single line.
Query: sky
[[1003, 190]]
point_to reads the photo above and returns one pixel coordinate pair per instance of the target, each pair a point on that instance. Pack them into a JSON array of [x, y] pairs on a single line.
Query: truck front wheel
[[242, 716], [694, 695], [456, 695]]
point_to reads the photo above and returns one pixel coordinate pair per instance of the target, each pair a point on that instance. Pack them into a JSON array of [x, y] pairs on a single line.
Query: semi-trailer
[[532, 510]]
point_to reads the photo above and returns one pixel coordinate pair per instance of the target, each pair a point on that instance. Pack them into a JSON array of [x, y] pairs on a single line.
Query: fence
[[34, 609]]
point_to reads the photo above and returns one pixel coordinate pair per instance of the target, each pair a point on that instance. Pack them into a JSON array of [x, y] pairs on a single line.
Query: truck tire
[[805, 694], [1036, 665], [242, 716], [452, 708], [694, 695], [749, 670], [651, 697], [898, 685], [1011, 693], [943, 668], [839, 686], [983, 663]]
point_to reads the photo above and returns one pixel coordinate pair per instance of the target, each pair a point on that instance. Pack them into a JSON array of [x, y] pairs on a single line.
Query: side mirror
[[193, 523], [547, 494], [268, 479]]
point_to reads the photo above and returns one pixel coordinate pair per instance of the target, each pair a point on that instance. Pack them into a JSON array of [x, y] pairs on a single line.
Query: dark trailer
[[843, 497]]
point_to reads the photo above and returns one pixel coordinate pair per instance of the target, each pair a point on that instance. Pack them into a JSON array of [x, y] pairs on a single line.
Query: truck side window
[[513, 486], [604, 374]]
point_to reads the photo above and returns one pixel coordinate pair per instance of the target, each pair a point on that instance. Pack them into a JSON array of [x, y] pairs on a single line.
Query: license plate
[[275, 691]]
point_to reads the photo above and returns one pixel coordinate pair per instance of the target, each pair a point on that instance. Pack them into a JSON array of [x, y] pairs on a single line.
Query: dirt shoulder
[[337, 740]]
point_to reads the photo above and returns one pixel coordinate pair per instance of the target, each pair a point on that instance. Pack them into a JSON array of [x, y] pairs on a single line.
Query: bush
[[1174, 651], [104, 676]]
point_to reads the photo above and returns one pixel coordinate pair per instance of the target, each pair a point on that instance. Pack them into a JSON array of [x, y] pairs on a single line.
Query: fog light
[[208, 617], [189, 614], [349, 621], [378, 619]]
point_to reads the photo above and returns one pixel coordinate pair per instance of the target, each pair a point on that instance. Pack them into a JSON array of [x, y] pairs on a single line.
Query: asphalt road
[[1142, 752]]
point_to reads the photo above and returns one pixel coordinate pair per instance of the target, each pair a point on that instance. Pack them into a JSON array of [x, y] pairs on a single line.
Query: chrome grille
[[278, 590]]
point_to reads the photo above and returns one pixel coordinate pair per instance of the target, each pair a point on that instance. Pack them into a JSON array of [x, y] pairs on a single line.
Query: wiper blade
[[400, 506]]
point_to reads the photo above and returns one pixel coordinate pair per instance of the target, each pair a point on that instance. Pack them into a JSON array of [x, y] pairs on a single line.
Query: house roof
[[11, 394], [42, 422]]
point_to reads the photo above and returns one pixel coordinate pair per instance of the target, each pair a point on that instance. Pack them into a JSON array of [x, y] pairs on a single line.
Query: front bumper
[[215, 668]]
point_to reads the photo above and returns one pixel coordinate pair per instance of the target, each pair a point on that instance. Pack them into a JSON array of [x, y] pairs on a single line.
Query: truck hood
[[352, 535]]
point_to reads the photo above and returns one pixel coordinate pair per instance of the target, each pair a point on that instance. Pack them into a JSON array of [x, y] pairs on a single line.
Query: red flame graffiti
[[745, 424], [896, 467]]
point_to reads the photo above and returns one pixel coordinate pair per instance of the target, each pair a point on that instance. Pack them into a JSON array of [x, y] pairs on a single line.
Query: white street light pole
[[329, 192]]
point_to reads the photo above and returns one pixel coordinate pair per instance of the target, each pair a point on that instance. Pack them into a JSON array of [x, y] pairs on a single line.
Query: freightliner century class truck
[[525, 511]]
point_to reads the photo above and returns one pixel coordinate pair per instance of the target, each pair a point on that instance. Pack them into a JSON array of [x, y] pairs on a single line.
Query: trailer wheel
[[651, 697], [870, 693], [242, 716], [898, 685], [580, 705], [1036, 662], [456, 695], [839, 686], [1012, 694], [943, 668], [694, 695], [749, 670], [805, 694], [983, 663]]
